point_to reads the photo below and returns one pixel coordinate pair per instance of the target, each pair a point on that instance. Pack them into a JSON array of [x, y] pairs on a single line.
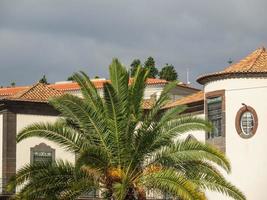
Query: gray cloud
[[58, 37]]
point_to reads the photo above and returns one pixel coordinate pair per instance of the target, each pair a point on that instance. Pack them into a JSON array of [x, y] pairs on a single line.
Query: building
[[22, 106], [234, 100]]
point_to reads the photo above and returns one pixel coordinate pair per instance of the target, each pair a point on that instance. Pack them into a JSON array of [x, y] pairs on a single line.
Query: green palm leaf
[[58, 132], [168, 180]]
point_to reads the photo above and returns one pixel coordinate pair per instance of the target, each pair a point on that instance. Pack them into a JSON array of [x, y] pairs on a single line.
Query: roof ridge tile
[[256, 59]]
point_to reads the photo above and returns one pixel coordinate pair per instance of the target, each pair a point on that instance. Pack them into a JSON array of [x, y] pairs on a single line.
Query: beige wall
[[23, 147], [247, 156]]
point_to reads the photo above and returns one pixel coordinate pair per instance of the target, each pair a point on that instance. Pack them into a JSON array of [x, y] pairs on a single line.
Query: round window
[[246, 122]]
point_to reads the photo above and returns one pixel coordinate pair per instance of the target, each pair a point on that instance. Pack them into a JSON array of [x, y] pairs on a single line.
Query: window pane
[[215, 116], [247, 123]]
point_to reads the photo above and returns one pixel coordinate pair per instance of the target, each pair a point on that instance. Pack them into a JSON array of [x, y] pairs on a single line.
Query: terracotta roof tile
[[12, 90], [254, 63], [69, 86], [193, 98], [38, 93], [148, 103], [183, 85], [74, 86], [155, 81], [42, 93], [99, 84]]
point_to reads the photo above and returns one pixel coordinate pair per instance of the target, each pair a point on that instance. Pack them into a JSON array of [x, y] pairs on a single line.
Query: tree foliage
[[134, 66], [43, 80], [120, 148], [13, 84], [70, 78], [150, 66], [168, 73]]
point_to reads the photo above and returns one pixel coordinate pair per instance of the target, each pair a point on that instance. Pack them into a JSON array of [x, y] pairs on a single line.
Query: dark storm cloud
[[56, 37]]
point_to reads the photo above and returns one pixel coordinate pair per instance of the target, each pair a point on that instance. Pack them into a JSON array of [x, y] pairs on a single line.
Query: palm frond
[[136, 91], [171, 114], [94, 157], [89, 91], [90, 121], [165, 133], [116, 116], [174, 183], [58, 132], [44, 178], [190, 150], [220, 185], [119, 77]]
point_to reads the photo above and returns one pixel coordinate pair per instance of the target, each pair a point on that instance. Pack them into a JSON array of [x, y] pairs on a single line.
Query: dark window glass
[[215, 116]]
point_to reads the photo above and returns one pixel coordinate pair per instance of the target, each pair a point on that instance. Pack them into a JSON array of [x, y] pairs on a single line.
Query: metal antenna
[[187, 76]]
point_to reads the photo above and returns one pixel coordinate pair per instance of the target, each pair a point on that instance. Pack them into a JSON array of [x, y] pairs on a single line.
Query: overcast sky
[[59, 37]]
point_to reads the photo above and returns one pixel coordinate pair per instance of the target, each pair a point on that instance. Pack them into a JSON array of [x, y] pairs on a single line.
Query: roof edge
[[227, 75]]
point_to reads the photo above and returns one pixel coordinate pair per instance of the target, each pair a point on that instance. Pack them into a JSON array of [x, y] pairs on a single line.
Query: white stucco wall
[[152, 90], [247, 156], [23, 147]]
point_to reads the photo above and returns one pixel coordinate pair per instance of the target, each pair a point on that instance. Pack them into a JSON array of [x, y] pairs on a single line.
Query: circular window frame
[[238, 127]]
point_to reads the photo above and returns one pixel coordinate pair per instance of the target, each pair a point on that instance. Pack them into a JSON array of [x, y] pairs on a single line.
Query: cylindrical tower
[[236, 103]]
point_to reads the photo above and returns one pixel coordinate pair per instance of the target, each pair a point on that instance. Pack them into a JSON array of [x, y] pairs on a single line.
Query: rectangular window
[[214, 108]]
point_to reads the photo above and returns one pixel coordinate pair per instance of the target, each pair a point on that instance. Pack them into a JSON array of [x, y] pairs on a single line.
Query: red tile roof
[[99, 84], [183, 85], [148, 103], [12, 90], [255, 64], [187, 100], [38, 93], [42, 93], [69, 86], [193, 98]]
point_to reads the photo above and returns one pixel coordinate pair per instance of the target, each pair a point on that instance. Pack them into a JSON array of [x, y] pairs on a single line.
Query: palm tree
[[122, 149]]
